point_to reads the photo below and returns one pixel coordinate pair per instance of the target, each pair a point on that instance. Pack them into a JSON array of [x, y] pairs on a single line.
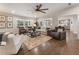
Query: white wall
[[54, 22], [45, 24], [15, 18], [72, 13], [73, 22]]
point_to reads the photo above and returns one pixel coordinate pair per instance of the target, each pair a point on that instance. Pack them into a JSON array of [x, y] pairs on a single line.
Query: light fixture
[[69, 3]]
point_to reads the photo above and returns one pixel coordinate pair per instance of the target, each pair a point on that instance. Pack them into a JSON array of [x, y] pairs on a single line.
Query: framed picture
[[2, 18], [9, 18], [10, 24], [2, 25]]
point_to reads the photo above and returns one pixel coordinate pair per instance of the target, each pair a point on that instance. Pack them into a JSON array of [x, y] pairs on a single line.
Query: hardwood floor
[[70, 46]]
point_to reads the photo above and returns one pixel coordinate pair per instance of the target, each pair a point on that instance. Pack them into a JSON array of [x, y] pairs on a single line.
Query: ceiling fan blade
[[39, 6], [44, 9]]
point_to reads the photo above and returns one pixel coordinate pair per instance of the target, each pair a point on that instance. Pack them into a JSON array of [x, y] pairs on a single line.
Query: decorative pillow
[[11, 36], [3, 43], [7, 33], [60, 30]]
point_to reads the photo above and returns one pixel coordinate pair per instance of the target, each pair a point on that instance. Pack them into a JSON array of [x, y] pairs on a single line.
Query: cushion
[[11, 36], [59, 30], [3, 43]]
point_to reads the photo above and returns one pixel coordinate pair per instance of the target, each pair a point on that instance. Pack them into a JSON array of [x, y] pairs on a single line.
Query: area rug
[[31, 43]]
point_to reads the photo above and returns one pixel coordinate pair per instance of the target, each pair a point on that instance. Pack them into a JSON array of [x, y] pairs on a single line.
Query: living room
[[33, 28]]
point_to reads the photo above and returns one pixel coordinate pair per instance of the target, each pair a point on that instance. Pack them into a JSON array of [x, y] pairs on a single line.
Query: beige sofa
[[12, 46]]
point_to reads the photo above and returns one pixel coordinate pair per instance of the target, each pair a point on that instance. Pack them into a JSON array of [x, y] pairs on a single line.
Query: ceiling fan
[[39, 9]]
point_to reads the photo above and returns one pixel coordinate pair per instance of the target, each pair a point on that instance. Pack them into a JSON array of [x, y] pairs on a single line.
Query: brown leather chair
[[22, 30]]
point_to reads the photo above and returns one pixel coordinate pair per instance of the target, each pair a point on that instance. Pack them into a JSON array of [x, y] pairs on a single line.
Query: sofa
[[58, 33], [12, 46]]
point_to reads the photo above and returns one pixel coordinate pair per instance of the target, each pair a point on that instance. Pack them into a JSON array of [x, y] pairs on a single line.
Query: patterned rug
[[31, 43]]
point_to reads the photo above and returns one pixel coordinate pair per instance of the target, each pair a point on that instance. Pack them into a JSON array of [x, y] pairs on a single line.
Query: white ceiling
[[27, 9]]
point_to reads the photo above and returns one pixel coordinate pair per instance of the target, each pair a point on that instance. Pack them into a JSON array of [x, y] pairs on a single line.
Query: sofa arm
[[63, 35]]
